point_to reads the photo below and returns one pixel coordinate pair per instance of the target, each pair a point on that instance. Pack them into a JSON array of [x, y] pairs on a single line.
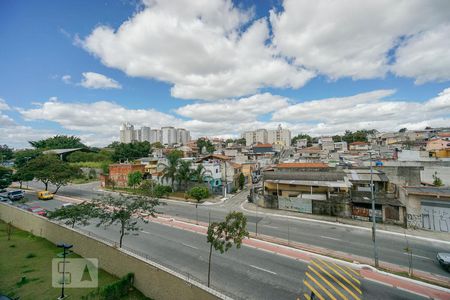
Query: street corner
[[329, 280]]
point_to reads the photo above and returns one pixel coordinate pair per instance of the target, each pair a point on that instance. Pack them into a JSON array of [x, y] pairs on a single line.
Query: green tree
[[6, 153], [199, 173], [50, 169], [436, 180], [300, 137], [125, 210], [130, 151], [170, 168], [80, 156], [134, 179], [241, 181], [21, 157], [199, 193], [204, 143], [58, 142], [184, 173], [21, 175], [5, 177], [403, 130], [223, 235], [157, 145], [240, 141], [75, 214]]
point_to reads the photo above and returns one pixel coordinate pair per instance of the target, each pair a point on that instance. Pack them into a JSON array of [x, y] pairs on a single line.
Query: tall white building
[[258, 136], [155, 136], [279, 136], [145, 134], [169, 135], [183, 136], [127, 133]]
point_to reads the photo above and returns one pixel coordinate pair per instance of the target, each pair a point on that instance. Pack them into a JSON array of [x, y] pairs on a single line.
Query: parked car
[[44, 195], [15, 195], [23, 206], [444, 260], [5, 199], [67, 204], [38, 210]]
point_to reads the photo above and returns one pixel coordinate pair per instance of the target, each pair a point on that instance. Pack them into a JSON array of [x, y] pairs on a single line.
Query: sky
[[221, 67]]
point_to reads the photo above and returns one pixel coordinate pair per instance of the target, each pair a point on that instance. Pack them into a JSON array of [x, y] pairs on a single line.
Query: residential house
[[262, 148], [310, 153], [118, 174], [439, 148], [359, 146]]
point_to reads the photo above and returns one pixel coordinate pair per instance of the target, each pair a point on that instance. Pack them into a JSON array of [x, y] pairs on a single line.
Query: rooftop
[[301, 165], [428, 191], [262, 146]]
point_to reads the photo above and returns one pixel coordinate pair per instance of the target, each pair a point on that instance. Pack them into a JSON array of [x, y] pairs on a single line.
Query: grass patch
[[18, 283], [90, 164], [82, 180]]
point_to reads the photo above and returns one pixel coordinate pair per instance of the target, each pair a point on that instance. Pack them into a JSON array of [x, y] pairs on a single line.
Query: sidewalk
[[388, 228]]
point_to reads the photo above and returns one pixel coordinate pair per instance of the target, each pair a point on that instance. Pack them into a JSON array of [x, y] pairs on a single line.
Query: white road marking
[[145, 232], [330, 238], [271, 226], [189, 246], [268, 271], [419, 256]]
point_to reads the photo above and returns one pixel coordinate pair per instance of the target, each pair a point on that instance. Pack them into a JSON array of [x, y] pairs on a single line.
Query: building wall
[[152, 279], [155, 136], [438, 144], [145, 134], [119, 173], [261, 136]]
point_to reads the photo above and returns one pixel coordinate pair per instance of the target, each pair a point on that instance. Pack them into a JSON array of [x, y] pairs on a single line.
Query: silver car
[[444, 260]]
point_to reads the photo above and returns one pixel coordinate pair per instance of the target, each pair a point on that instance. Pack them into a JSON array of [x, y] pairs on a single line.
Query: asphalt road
[[351, 240]]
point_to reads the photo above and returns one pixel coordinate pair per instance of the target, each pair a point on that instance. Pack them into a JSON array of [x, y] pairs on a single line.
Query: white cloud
[[3, 105], [207, 49], [426, 56], [352, 38], [67, 79], [241, 110], [93, 80]]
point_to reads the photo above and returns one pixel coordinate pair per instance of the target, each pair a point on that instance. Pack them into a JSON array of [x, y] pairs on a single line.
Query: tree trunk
[[57, 188], [209, 265], [73, 224], [122, 233], [20, 182], [46, 185]]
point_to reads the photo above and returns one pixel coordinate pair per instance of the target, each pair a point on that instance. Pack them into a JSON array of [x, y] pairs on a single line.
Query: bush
[[118, 289], [199, 192], [161, 190]]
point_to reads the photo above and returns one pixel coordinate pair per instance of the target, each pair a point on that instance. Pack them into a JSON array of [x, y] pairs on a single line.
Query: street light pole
[[375, 251], [65, 247]]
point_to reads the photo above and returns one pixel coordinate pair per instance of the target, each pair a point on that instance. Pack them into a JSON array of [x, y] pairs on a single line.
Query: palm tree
[[170, 169], [184, 173], [199, 173]]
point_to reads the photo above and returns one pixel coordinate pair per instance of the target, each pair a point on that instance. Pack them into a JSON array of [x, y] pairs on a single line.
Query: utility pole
[[374, 223]]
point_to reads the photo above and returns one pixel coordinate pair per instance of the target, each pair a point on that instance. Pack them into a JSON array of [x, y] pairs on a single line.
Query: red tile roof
[[263, 146], [302, 165]]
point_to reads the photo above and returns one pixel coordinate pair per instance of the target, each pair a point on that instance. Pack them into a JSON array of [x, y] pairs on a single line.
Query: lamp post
[[65, 247], [375, 251]]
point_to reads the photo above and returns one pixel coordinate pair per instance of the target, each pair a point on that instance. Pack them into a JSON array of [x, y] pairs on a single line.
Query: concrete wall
[[151, 279]]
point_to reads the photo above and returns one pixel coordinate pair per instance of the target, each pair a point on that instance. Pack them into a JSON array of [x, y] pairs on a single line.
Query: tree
[[75, 214], [223, 235], [134, 178], [170, 168], [125, 210], [240, 141], [21, 157], [403, 130], [436, 180], [184, 173], [6, 153], [22, 174], [205, 143], [58, 142], [5, 177], [49, 168], [199, 193], [301, 136], [241, 181], [157, 145], [130, 151], [198, 174]]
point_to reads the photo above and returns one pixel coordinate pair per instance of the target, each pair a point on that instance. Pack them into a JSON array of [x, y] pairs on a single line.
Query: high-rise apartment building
[[127, 133], [183, 136], [155, 136], [169, 135], [278, 136], [145, 134]]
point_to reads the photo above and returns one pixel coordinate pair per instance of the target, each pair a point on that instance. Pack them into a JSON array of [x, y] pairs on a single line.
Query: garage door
[[436, 215]]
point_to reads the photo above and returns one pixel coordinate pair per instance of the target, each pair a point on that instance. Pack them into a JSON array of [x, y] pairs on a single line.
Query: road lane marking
[[330, 238], [270, 226], [143, 231], [326, 281], [268, 271], [307, 297], [349, 275], [189, 246], [419, 256], [335, 279], [340, 275], [313, 289]]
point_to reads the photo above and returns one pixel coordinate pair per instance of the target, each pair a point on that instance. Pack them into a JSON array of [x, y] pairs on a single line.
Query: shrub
[[199, 192], [119, 289]]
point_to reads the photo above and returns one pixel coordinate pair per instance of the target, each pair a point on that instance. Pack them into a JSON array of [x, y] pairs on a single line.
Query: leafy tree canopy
[[80, 156], [204, 143], [130, 151], [75, 214], [199, 193], [5, 177], [58, 142], [300, 137], [6, 153], [22, 174], [157, 145], [23, 156], [134, 179]]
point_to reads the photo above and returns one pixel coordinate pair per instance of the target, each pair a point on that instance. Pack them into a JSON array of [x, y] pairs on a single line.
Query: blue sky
[[219, 67]]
